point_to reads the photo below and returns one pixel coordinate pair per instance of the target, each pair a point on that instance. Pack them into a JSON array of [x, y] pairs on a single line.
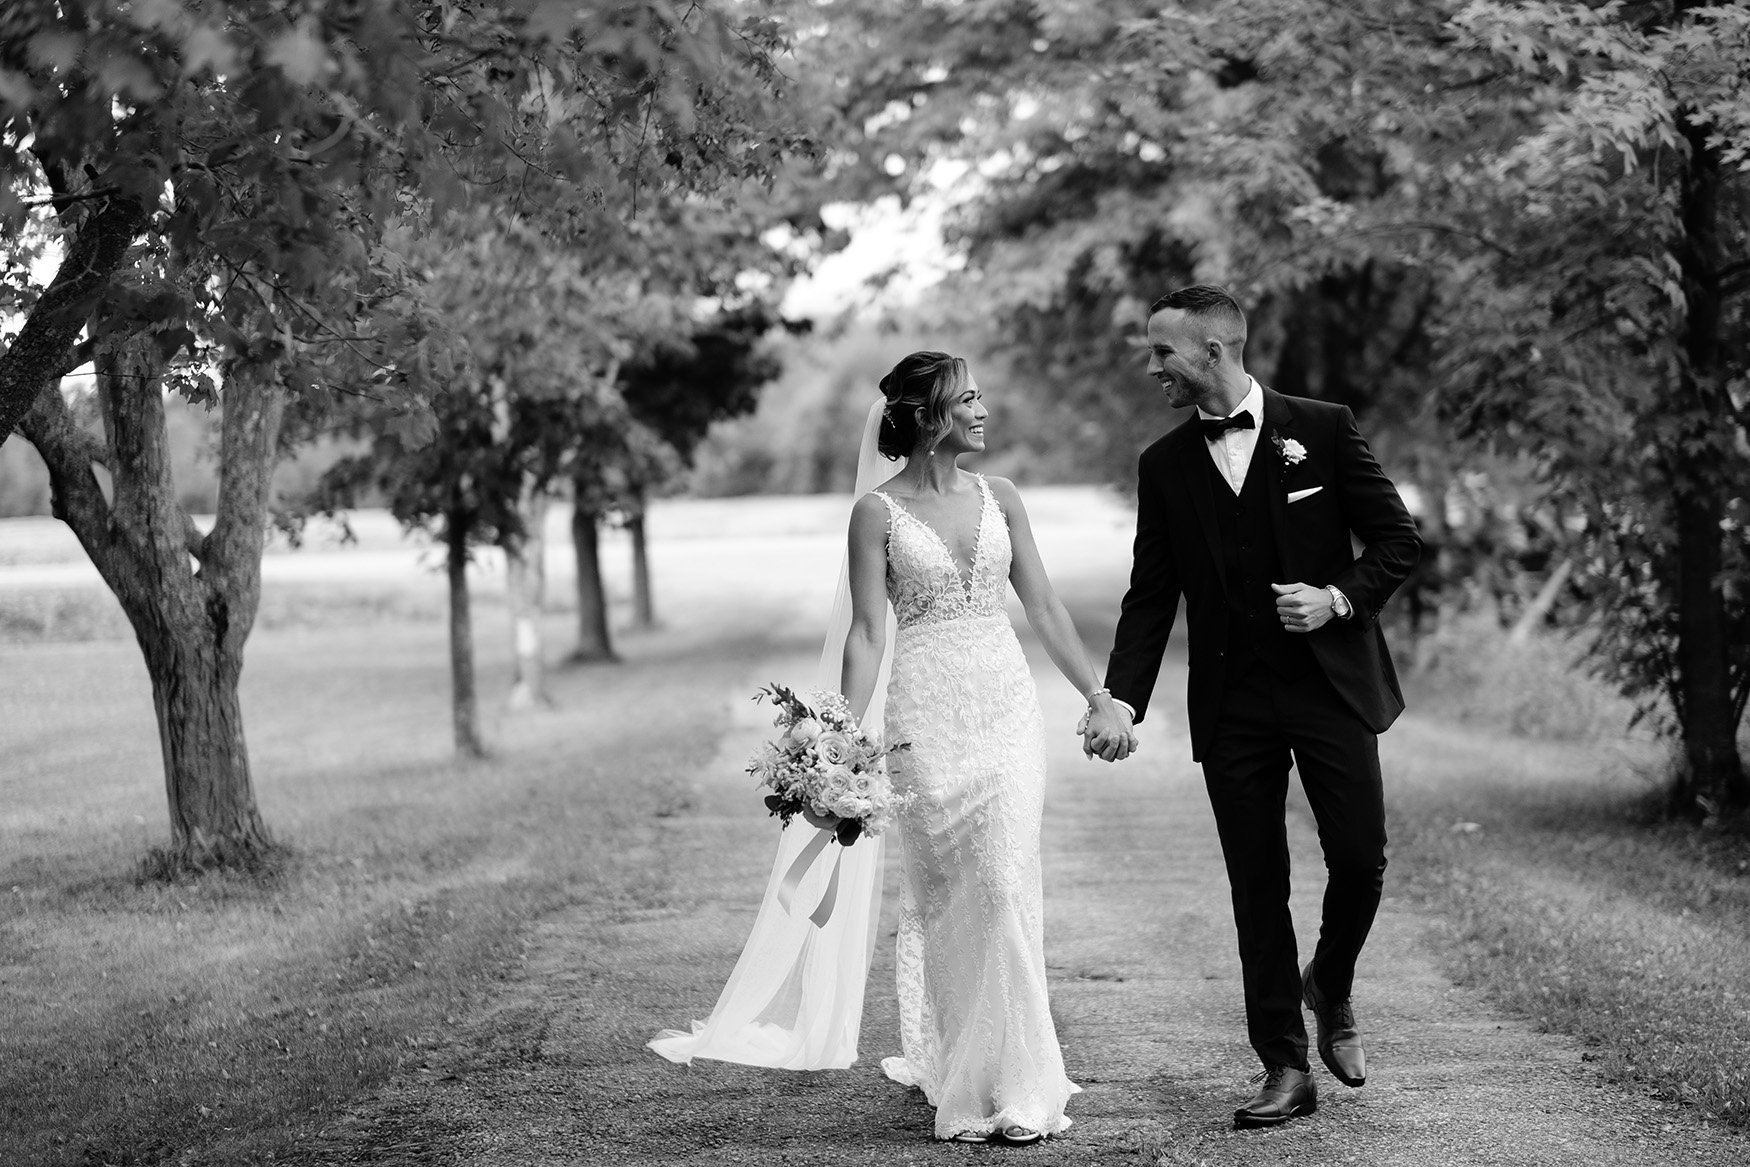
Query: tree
[[170, 160], [218, 182], [1618, 339], [535, 375], [694, 357], [1531, 215], [1572, 178], [608, 460], [678, 389], [1080, 195]]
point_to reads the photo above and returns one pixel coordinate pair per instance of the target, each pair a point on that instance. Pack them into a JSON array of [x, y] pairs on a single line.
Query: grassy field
[[1537, 845], [231, 1016], [1554, 889], [230, 1021]]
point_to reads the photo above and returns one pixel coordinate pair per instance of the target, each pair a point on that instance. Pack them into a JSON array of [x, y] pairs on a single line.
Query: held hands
[[1302, 607], [1106, 731]]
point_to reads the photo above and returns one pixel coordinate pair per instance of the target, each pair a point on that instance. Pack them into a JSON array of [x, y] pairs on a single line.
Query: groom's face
[[1177, 359]]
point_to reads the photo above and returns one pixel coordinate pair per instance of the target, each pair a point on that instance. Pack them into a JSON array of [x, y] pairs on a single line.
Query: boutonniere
[[1293, 453]]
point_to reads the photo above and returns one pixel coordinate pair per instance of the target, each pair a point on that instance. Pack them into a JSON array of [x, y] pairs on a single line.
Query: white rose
[[835, 749], [804, 731]]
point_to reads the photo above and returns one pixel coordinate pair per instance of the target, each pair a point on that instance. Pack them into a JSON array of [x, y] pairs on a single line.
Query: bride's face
[[966, 416]]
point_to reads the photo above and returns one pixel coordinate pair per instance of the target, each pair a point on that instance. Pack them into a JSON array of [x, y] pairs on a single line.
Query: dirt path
[[1144, 988]]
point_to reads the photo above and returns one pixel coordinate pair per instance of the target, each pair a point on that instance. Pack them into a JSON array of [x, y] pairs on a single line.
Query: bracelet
[[1102, 691]]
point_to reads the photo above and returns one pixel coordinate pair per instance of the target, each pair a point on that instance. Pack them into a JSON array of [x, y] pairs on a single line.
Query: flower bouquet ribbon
[[793, 879], [824, 767]]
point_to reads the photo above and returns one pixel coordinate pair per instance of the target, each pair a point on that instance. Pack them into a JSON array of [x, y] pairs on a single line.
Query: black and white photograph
[[874, 583]]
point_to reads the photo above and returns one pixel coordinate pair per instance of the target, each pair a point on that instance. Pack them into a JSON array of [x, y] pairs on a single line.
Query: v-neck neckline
[[969, 578]]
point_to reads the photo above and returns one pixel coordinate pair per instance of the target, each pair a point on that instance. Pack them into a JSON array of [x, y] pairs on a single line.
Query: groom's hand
[[1302, 607], [1107, 734]]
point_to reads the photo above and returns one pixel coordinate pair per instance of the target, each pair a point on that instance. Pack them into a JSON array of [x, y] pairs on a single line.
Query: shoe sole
[[1246, 1122]]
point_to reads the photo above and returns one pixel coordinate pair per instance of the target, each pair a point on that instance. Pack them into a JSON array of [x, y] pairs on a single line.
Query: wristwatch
[[1339, 602]]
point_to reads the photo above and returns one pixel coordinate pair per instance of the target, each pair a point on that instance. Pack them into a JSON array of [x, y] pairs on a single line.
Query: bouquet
[[824, 767]]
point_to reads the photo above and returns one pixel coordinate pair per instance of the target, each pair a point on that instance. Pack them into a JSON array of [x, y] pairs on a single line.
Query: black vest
[[1250, 564]]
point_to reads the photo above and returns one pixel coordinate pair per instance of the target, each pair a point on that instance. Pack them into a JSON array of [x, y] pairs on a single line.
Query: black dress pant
[[1267, 721]]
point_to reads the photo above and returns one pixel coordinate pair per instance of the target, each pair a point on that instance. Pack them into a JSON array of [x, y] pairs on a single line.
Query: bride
[[938, 544]]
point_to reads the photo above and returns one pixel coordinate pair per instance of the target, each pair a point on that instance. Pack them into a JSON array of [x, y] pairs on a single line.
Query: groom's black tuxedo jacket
[[1179, 553]]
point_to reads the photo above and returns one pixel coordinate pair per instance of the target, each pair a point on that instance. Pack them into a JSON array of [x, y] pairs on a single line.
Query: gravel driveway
[[1145, 988]]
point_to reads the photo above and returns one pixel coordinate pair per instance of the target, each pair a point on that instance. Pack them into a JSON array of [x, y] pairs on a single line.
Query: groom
[[1246, 511]]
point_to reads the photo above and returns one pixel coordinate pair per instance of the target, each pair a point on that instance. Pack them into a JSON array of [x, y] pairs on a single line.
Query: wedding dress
[[975, 1024], [975, 1027]]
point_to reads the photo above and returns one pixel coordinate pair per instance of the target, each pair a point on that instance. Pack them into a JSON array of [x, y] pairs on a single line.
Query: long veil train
[[795, 998]]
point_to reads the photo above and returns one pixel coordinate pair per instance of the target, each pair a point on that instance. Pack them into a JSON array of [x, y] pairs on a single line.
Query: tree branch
[[252, 408], [71, 454], [35, 359]]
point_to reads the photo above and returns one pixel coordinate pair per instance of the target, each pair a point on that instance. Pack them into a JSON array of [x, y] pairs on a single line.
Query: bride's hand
[[1107, 732]]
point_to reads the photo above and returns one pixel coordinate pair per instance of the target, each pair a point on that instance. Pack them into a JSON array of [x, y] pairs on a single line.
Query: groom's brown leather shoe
[[1286, 1093], [1339, 1042]]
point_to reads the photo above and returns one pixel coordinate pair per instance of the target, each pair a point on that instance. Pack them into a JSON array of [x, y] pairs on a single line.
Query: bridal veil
[[795, 998]]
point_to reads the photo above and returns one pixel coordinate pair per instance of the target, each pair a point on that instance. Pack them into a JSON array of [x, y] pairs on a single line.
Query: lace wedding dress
[[975, 1025]]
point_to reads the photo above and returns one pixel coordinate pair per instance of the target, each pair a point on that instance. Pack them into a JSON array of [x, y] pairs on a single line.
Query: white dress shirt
[[1232, 451]]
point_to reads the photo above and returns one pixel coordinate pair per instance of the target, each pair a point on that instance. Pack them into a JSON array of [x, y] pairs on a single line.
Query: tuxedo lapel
[[1194, 469], [1278, 424]]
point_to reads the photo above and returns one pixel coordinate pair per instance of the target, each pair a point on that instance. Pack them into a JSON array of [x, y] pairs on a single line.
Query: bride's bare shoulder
[[868, 513], [1005, 490]]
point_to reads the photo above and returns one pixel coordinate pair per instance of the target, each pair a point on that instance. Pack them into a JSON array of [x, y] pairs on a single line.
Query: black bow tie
[[1214, 428]]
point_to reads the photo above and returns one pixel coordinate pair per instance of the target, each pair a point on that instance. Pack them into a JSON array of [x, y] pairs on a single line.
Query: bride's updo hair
[[927, 381]]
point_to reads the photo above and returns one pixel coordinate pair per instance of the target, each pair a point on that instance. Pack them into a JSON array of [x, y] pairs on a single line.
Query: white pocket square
[[1297, 495]]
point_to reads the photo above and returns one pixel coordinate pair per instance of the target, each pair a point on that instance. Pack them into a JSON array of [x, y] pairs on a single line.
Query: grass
[[1560, 895], [220, 1020]]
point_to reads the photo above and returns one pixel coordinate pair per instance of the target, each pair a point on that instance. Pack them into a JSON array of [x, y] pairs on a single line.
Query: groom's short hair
[[1214, 306]]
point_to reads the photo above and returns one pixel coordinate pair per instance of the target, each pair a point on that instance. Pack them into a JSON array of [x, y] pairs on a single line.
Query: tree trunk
[[524, 583], [593, 642], [213, 817], [464, 704], [191, 624], [643, 607], [1537, 612], [1713, 770]]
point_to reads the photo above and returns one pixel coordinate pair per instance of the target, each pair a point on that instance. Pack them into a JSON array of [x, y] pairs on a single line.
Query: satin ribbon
[[793, 879]]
